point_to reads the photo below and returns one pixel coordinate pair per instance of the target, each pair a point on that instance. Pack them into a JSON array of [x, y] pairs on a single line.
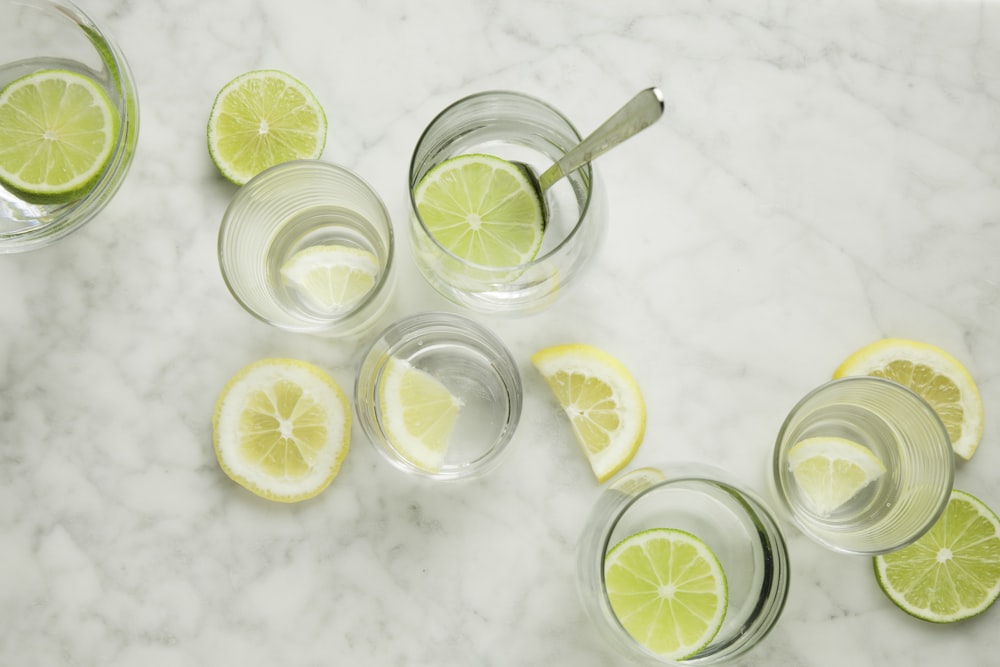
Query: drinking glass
[[289, 209], [56, 34], [903, 431], [705, 502], [517, 127], [472, 363]]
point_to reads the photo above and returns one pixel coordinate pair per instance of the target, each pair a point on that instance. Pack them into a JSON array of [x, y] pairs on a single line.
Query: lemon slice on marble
[[933, 374], [281, 429], [601, 399]]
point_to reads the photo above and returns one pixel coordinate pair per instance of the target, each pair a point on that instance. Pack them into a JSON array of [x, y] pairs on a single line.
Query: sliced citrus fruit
[[953, 571], [668, 590], [418, 413], [934, 374], [602, 401], [332, 278], [483, 209], [830, 471], [263, 118], [281, 429], [57, 132]]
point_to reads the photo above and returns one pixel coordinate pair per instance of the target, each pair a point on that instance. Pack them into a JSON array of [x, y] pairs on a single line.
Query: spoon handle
[[639, 113]]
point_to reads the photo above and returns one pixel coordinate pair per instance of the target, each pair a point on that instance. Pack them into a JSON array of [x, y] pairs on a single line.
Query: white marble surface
[[826, 174]]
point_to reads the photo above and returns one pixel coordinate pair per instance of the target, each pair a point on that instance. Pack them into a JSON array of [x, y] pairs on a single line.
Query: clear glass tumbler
[[705, 502], [471, 363], [56, 34], [517, 127], [292, 232], [902, 430]]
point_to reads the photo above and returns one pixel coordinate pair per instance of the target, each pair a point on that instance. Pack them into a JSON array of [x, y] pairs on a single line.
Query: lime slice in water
[[482, 209], [953, 571], [57, 132], [263, 118], [830, 471], [668, 590], [333, 279]]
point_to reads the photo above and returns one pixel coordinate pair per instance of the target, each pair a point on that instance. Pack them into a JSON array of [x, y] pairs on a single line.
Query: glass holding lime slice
[[68, 122], [476, 224], [678, 563]]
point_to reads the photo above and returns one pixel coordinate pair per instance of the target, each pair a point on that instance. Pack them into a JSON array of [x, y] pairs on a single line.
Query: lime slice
[[602, 401], [668, 590], [418, 413], [830, 471], [332, 279], [953, 571], [281, 429], [483, 209], [934, 374], [263, 118], [57, 132]]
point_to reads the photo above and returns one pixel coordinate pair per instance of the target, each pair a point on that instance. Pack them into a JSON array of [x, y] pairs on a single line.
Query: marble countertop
[[826, 174]]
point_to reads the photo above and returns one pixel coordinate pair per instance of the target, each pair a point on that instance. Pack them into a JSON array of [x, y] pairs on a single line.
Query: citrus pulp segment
[[482, 209], [953, 571], [668, 590], [332, 278], [418, 413], [263, 118], [830, 471], [933, 374], [281, 429], [601, 399], [57, 132]]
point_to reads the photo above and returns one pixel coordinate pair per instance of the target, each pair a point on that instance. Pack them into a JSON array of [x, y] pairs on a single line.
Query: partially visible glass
[[473, 364], [290, 209], [56, 34], [731, 520], [897, 426], [512, 126]]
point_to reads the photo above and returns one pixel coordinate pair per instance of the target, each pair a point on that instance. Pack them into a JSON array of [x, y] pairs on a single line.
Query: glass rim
[[587, 169], [400, 333], [383, 283], [74, 214]]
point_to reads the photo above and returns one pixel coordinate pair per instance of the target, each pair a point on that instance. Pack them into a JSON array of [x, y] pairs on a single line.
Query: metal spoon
[[639, 113]]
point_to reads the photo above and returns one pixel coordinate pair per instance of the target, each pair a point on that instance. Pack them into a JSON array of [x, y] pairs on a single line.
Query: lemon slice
[[281, 429], [602, 401], [263, 118], [668, 590], [418, 413], [830, 471], [934, 374], [57, 132], [953, 571], [333, 279], [483, 209]]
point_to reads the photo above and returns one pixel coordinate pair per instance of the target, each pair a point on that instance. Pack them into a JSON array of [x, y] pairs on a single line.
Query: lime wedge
[[482, 209], [668, 590], [333, 279], [953, 571], [281, 429], [830, 471], [418, 413], [57, 131], [263, 118]]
